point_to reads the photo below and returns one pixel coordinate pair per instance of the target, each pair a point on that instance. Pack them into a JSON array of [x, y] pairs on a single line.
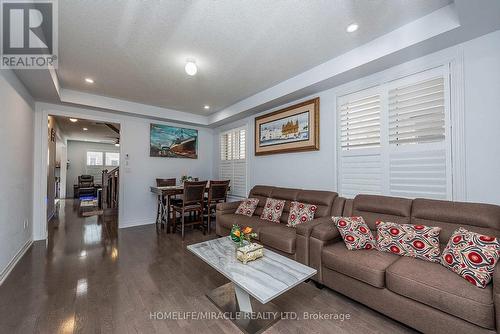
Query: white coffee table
[[263, 279]]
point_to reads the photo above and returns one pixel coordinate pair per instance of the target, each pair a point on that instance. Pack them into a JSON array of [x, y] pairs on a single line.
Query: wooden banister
[[110, 186]]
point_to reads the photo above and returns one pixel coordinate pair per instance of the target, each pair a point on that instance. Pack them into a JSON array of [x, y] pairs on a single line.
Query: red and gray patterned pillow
[[355, 232], [472, 256], [300, 213], [418, 241], [247, 207], [273, 210]]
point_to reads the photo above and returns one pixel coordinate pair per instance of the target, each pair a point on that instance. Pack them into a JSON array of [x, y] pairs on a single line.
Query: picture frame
[[168, 141], [292, 129]]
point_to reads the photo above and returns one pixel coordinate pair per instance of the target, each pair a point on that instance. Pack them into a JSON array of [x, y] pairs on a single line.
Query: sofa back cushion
[[389, 209], [262, 193], [322, 199], [475, 217]]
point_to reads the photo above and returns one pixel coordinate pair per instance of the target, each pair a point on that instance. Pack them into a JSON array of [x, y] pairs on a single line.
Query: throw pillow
[[247, 207], [472, 256], [300, 213], [355, 232], [273, 210], [418, 241]]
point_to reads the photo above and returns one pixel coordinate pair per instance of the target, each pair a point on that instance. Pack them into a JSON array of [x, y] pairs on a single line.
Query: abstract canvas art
[[173, 142]]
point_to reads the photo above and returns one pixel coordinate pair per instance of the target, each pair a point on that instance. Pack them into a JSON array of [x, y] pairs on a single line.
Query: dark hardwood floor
[[91, 278]]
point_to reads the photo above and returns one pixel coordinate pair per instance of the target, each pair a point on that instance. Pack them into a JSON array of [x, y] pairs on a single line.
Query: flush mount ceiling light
[[85, 129], [89, 80], [191, 68], [206, 107], [73, 120], [352, 27]]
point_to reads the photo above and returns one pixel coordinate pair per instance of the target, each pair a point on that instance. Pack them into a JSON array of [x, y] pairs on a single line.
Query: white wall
[[139, 171], [312, 170], [77, 156], [16, 174], [482, 117], [317, 170]]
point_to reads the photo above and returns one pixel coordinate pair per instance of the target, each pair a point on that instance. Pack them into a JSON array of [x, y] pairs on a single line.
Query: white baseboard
[[139, 222], [14, 261]]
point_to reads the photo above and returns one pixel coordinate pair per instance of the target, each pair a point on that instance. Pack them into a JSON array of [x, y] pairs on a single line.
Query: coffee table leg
[[243, 299], [234, 300]]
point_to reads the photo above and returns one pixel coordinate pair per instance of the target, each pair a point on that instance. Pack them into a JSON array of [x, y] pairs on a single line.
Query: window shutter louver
[[233, 163], [360, 123], [416, 113]]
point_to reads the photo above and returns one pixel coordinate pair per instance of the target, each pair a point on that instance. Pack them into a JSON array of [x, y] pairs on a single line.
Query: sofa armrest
[[306, 229], [228, 207], [496, 296], [325, 231]]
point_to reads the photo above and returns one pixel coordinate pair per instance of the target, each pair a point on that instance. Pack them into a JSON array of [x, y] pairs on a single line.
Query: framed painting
[[292, 129], [172, 142]]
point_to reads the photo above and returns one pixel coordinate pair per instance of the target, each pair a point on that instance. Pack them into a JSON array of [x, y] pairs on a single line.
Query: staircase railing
[[110, 186]]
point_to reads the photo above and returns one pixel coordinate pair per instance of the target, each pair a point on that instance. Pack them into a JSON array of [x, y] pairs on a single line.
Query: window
[[394, 138], [233, 162], [94, 158], [112, 159]]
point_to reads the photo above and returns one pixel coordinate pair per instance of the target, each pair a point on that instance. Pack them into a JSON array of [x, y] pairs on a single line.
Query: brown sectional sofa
[[291, 242], [421, 294]]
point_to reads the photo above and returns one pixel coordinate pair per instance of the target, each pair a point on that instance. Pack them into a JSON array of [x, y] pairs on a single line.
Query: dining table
[[163, 206]]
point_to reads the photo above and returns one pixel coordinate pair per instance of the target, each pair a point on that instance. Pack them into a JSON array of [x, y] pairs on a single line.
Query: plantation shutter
[[394, 138], [360, 165], [360, 123], [419, 152], [233, 162]]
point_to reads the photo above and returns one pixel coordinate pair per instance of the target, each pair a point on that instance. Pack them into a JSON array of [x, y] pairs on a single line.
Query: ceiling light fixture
[[206, 107], [191, 68], [89, 80], [117, 143], [352, 27], [73, 120], [85, 129]]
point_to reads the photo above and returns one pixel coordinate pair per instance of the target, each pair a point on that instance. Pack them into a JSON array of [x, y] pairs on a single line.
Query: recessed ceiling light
[[89, 80], [352, 27], [206, 107], [85, 129], [73, 120], [191, 68]]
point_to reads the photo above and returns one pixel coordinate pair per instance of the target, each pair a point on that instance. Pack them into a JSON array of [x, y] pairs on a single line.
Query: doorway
[[83, 167]]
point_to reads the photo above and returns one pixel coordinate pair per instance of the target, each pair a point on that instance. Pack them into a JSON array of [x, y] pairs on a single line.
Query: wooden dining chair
[[192, 202], [217, 193], [166, 182], [171, 182]]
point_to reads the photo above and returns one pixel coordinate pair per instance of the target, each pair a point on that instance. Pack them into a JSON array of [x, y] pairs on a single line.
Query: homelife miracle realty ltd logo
[[29, 34]]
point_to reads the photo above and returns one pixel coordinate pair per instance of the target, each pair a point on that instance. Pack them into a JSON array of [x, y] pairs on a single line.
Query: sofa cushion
[[472, 256], [475, 217], [247, 207], [365, 265], [419, 241], [300, 213], [436, 286], [279, 237], [374, 208], [355, 232], [273, 210]]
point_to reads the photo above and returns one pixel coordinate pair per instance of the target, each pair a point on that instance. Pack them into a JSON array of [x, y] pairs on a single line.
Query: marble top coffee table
[[263, 279]]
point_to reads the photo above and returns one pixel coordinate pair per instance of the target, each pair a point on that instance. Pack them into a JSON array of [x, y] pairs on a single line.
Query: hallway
[[92, 278]]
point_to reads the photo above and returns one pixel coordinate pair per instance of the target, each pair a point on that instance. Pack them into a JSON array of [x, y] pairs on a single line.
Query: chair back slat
[[166, 182], [194, 192], [217, 191]]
